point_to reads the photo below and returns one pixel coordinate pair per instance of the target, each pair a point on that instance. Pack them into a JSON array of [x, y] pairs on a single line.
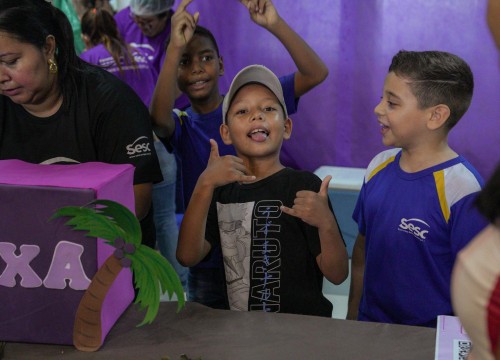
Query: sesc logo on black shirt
[[140, 147]]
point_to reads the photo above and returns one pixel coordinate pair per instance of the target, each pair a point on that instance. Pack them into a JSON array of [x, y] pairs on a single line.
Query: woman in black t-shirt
[[55, 108]]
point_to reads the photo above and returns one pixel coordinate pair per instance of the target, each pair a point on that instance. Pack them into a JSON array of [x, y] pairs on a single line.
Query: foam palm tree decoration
[[153, 274]]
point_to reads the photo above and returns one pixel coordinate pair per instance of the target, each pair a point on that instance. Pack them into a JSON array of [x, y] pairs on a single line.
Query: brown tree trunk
[[87, 331]]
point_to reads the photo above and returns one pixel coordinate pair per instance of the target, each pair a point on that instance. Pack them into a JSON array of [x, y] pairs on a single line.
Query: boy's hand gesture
[[312, 207], [262, 12], [223, 170], [183, 25]]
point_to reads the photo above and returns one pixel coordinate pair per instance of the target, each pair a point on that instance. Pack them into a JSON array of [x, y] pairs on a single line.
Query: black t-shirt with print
[[269, 256]]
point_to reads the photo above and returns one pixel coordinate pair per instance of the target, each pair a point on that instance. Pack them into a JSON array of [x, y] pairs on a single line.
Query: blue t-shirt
[[415, 224]]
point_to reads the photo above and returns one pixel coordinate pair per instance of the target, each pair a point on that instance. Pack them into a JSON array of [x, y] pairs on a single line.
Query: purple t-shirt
[[141, 77], [154, 47]]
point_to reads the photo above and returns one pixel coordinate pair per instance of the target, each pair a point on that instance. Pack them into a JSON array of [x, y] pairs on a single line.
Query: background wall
[[335, 124]]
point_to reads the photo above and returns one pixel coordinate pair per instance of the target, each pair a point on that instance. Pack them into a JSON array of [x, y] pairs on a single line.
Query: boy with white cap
[[277, 230], [193, 64]]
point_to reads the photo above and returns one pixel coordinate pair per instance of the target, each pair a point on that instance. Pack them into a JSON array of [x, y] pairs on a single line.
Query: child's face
[[402, 122], [255, 123], [199, 70]]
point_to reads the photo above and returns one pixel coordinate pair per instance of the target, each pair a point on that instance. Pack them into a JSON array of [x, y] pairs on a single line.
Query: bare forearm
[[311, 69], [192, 246], [357, 277], [333, 260], [164, 95]]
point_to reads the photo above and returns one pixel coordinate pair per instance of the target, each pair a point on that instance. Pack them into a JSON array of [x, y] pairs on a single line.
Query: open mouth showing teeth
[[200, 84], [258, 135]]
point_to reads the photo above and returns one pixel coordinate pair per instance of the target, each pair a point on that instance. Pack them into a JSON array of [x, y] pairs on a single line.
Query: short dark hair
[[44, 19], [488, 200], [202, 31], [437, 77]]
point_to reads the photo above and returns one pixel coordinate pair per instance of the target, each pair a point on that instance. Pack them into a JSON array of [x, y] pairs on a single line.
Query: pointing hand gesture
[[312, 207], [224, 170], [183, 24]]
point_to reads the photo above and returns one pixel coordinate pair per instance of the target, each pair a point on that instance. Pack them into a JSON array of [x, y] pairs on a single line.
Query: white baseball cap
[[254, 74]]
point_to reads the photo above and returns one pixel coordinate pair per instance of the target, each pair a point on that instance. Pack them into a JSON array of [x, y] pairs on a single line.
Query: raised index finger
[[183, 5]]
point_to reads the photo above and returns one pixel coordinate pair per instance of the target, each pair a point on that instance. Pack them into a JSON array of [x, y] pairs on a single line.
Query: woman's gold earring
[[52, 66]]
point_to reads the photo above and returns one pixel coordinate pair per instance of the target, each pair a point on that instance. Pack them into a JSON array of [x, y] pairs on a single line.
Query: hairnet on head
[[150, 7]]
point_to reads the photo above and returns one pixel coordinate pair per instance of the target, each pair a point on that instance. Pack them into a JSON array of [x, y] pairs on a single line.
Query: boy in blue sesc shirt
[[194, 64], [277, 230], [415, 210]]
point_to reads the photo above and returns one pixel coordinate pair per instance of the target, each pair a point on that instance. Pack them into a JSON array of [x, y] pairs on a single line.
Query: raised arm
[[192, 246], [165, 93], [357, 277], [311, 70], [313, 209]]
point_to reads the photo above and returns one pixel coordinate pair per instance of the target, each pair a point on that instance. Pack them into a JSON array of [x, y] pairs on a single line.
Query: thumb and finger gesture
[[226, 169], [183, 24], [312, 207], [214, 151]]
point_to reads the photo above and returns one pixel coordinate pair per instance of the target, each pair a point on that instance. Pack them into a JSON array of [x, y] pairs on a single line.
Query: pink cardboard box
[[45, 266]]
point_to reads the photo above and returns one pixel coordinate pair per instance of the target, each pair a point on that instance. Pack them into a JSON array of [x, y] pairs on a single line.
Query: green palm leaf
[[153, 274], [89, 220], [122, 216], [148, 261]]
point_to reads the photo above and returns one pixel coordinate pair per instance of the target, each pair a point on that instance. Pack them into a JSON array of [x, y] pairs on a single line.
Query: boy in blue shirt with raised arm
[[415, 210]]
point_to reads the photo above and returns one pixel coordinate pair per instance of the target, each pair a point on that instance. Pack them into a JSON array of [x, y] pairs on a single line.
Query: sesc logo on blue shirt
[[414, 226]]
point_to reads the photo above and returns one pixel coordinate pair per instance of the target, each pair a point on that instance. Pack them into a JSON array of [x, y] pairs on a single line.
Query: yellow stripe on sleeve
[[180, 114], [380, 167], [439, 179]]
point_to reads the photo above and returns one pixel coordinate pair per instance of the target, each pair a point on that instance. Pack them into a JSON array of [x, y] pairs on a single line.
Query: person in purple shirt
[[106, 48], [146, 25]]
